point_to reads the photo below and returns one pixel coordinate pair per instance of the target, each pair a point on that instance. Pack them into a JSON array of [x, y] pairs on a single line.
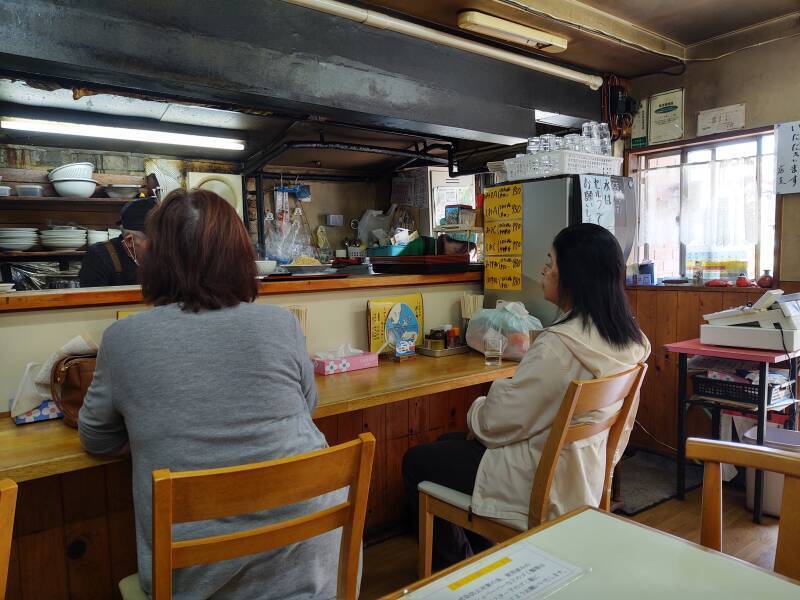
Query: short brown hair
[[198, 254]]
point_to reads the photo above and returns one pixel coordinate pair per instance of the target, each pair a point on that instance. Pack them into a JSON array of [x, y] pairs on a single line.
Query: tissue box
[[46, 411], [354, 362]]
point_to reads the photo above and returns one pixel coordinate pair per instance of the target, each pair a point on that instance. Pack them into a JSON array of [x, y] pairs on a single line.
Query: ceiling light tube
[[509, 31], [121, 133], [382, 21]]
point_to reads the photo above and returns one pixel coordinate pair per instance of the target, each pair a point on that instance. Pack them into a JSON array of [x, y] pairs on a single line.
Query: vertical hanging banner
[[502, 215], [597, 201], [787, 158]]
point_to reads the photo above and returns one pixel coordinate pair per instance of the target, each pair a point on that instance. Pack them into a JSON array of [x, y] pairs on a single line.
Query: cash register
[[771, 323]]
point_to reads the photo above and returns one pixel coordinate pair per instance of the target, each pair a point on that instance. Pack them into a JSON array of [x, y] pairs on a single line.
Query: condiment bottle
[[457, 336], [437, 339]]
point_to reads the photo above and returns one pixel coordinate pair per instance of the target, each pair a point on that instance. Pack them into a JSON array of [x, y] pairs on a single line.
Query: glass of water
[[493, 350]]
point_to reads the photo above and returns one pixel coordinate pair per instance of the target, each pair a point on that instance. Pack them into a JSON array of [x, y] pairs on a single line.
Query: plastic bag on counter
[[372, 220], [511, 320], [44, 276]]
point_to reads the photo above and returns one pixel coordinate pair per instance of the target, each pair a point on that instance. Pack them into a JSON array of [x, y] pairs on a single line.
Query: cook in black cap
[[115, 262]]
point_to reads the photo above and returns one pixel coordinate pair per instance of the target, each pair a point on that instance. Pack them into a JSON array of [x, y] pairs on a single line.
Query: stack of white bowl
[[17, 238], [63, 239], [74, 179], [97, 236]]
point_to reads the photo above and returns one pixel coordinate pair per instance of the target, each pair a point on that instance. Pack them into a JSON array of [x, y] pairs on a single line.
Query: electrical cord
[[756, 45], [654, 438]]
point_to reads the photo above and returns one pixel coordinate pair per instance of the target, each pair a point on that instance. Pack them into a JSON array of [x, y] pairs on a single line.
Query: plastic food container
[[5, 190], [29, 189]]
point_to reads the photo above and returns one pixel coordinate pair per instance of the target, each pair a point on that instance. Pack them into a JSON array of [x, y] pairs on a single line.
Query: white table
[[622, 559]]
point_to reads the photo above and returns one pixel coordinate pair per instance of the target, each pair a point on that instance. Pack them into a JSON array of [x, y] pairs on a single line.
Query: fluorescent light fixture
[[121, 133], [509, 31]]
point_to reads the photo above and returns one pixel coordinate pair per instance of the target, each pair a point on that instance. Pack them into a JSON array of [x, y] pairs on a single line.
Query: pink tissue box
[[354, 362]]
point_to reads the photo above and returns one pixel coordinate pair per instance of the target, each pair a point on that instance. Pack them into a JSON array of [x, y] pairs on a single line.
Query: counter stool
[[581, 397], [8, 505], [713, 454], [215, 493]]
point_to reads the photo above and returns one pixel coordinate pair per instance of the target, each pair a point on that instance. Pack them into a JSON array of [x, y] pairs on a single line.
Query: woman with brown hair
[[209, 379]]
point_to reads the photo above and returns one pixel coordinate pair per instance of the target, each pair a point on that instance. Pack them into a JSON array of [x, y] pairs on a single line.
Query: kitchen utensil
[[29, 189], [75, 187], [122, 190], [301, 312], [266, 267], [81, 170]]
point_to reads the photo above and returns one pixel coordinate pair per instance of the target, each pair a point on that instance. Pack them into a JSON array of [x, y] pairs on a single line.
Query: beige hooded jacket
[[514, 420]]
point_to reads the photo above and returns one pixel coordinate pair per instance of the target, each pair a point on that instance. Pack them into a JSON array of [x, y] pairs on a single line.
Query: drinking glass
[[547, 142], [533, 145], [574, 142], [493, 350]]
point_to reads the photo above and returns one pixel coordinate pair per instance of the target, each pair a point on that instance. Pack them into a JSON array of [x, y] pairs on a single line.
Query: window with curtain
[[709, 207]]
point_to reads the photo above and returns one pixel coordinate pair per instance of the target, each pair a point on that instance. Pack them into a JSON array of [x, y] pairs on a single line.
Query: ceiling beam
[[572, 13]]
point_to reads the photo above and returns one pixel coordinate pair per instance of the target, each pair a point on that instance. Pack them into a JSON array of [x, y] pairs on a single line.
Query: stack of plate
[[17, 238], [63, 239], [97, 236]]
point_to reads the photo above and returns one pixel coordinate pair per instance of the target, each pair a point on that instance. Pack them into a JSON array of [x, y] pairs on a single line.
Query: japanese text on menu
[[503, 237], [597, 201], [787, 163]]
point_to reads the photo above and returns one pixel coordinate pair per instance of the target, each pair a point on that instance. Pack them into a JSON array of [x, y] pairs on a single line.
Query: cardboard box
[[343, 364]]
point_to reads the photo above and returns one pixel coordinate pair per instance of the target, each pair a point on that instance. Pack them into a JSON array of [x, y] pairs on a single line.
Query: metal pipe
[[252, 166], [381, 21]]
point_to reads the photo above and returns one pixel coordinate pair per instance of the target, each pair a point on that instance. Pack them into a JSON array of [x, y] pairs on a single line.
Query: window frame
[[636, 160]]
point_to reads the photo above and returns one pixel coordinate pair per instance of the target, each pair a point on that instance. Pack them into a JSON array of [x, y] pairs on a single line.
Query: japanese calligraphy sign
[[502, 215], [503, 273], [597, 201], [787, 158], [503, 237], [502, 202]]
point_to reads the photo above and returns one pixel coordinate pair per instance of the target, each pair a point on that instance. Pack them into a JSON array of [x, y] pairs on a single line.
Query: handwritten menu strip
[[787, 160], [503, 273], [502, 202], [597, 201], [503, 237]]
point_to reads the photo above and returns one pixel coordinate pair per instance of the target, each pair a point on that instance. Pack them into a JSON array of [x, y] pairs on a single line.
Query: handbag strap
[[112, 252]]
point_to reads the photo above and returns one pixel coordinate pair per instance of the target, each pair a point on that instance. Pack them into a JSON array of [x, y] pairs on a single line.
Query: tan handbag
[[69, 381]]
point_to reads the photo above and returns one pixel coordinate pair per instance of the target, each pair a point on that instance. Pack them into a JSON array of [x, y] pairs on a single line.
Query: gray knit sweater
[[205, 390]]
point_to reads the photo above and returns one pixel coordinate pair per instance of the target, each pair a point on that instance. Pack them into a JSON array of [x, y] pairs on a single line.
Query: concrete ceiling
[[695, 21], [626, 37]]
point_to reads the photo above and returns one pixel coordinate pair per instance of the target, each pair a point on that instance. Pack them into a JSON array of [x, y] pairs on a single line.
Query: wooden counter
[[50, 448], [108, 296]]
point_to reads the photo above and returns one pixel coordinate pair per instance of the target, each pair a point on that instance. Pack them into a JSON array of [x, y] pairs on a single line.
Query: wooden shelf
[[15, 200], [40, 255]]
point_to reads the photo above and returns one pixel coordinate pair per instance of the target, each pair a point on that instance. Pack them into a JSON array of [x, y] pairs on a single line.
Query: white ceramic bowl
[[72, 171], [266, 267], [4, 245], [29, 189], [75, 187], [122, 190], [6, 287]]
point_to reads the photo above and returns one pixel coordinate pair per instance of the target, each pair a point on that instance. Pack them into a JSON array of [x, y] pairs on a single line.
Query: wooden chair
[[216, 493], [581, 397], [8, 505], [714, 453]]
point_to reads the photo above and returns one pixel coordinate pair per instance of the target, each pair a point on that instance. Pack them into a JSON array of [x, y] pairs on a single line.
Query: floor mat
[[648, 479]]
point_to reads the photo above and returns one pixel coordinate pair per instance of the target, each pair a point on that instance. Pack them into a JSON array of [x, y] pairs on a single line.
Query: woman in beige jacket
[[596, 336]]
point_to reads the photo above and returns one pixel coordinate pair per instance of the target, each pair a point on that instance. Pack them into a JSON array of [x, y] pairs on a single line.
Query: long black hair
[[591, 276]]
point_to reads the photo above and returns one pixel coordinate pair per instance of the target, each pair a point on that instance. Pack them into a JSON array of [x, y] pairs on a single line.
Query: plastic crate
[[739, 392], [562, 162]]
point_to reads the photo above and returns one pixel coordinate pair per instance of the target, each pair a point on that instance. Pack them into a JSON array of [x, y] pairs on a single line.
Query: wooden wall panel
[[13, 588], [329, 426], [121, 523], [646, 307], [396, 502], [42, 568], [86, 534], [397, 420]]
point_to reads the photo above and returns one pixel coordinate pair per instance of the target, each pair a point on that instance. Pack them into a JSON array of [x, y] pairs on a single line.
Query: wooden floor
[[390, 565]]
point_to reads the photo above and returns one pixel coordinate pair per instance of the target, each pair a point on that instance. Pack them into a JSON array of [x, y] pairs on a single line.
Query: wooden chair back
[[584, 397], [216, 493], [8, 505], [714, 453]]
